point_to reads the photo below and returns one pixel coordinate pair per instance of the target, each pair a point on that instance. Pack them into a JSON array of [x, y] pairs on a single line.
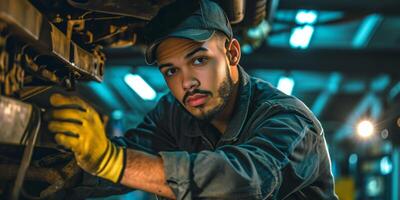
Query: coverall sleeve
[[281, 155]]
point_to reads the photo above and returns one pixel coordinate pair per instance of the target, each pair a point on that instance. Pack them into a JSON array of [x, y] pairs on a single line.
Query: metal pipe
[[27, 156], [235, 10]]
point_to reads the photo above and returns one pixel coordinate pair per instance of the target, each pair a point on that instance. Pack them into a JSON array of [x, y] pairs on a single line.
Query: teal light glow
[[394, 91], [259, 31], [380, 83], [366, 30], [117, 114], [353, 159], [301, 37], [306, 17], [286, 84], [137, 84], [246, 49], [104, 93], [386, 165], [374, 186]]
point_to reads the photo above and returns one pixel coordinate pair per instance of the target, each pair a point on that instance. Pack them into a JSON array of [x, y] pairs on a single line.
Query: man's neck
[[221, 121]]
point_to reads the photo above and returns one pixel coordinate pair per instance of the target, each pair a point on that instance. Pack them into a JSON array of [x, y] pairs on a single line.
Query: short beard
[[225, 92]]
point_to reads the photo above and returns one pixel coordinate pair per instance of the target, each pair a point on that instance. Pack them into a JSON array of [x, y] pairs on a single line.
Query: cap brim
[[198, 35]]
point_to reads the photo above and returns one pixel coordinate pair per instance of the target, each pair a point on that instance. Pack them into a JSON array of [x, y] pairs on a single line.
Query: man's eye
[[170, 72], [200, 60]]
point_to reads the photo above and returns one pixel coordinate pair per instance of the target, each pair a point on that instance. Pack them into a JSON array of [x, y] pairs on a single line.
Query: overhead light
[[301, 36], [365, 129], [286, 84], [137, 84], [306, 17]]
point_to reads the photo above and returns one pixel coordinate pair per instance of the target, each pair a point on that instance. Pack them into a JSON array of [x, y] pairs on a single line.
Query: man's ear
[[233, 52]]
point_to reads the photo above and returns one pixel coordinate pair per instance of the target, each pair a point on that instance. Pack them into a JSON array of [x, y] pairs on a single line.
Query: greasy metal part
[[4, 57], [49, 75], [29, 63], [114, 30], [48, 175], [100, 63], [122, 42], [52, 159], [57, 179], [255, 12], [11, 73], [141, 9], [40, 71], [27, 156], [28, 92], [88, 62], [14, 78], [62, 49], [235, 10], [68, 172], [82, 58], [29, 26], [77, 24], [15, 116], [35, 55], [23, 14]]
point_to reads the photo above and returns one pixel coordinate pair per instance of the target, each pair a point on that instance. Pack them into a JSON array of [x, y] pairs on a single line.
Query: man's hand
[[78, 127]]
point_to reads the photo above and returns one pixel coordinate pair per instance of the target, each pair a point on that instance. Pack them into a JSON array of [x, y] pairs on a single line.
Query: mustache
[[195, 91]]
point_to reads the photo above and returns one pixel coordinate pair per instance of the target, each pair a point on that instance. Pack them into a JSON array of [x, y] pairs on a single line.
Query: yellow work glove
[[78, 127]]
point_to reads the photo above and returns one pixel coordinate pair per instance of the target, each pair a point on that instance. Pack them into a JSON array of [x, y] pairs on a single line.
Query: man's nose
[[189, 82]]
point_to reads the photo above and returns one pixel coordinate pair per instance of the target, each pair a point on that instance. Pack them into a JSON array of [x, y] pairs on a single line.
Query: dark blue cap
[[194, 20]]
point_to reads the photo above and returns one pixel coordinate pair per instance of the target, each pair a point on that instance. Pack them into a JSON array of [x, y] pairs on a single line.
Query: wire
[[110, 35], [28, 151]]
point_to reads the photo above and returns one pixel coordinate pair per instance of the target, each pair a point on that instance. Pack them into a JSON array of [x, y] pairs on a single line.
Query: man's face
[[197, 74]]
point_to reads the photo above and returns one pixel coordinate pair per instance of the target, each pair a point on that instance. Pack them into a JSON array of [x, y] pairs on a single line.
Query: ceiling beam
[[124, 56], [389, 7], [352, 61], [331, 88]]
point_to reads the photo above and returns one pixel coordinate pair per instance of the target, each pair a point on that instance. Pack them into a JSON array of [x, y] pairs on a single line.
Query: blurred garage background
[[342, 58]]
